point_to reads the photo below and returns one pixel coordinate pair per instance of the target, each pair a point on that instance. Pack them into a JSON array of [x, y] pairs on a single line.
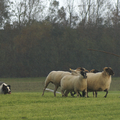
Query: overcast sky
[[61, 3]]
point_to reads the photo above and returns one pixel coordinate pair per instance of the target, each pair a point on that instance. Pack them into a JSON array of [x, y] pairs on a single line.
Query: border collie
[[4, 88]]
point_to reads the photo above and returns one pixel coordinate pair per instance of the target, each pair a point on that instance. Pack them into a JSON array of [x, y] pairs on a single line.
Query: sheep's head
[[109, 70], [80, 69], [83, 73], [74, 72], [94, 71]]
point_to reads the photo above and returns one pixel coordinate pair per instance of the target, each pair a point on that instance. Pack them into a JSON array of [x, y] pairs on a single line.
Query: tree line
[[36, 39]]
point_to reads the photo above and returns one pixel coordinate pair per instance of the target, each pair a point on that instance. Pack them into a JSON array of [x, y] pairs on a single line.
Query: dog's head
[[6, 89]]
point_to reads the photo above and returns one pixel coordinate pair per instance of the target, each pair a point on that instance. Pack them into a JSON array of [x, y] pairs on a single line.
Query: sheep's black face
[[83, 73], [110, 71]]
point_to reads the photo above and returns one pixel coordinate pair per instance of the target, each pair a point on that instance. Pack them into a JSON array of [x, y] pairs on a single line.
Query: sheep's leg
[[72, 94], [79, 94], [106, 93], [43, 91], [86, 93], [95, 93], [46, 84], [56, 87], [66, 93], [83, 93], [62, 92]]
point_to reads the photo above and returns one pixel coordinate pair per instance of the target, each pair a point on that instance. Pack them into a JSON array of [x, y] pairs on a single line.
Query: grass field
[[26, 103]]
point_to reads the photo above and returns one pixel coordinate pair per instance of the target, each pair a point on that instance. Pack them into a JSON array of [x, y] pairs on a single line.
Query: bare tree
[[85, 11], [62, 16], [93, 11], [116, 14], [26, 11], [71, 13], [53, 11], [4, 12]]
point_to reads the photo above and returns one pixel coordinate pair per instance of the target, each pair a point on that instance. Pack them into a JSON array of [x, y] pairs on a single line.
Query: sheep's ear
[[86, 71], [94, 71], [72, 69], [105, 68], [80, 69]]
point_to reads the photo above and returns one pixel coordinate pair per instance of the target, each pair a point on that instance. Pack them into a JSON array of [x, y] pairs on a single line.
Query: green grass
[[26, 103], [37, 84], [33, 106]]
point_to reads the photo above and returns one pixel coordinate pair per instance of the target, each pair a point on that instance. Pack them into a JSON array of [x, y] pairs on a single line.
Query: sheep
[[94, 92], [76, 72], [100, 81], [74, 83], [94, 71], [54, 77]]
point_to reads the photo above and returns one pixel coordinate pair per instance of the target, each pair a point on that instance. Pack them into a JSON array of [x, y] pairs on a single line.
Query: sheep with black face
[[75, 83], [99, 81]]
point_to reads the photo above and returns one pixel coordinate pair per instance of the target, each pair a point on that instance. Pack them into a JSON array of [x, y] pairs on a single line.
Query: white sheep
[[94, 71], [76, 72], [94, 92], [99, 81], [54, 77], [74, 83], [79, 69]]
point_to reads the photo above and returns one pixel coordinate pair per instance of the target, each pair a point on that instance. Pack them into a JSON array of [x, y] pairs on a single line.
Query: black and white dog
[[4, 88]]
